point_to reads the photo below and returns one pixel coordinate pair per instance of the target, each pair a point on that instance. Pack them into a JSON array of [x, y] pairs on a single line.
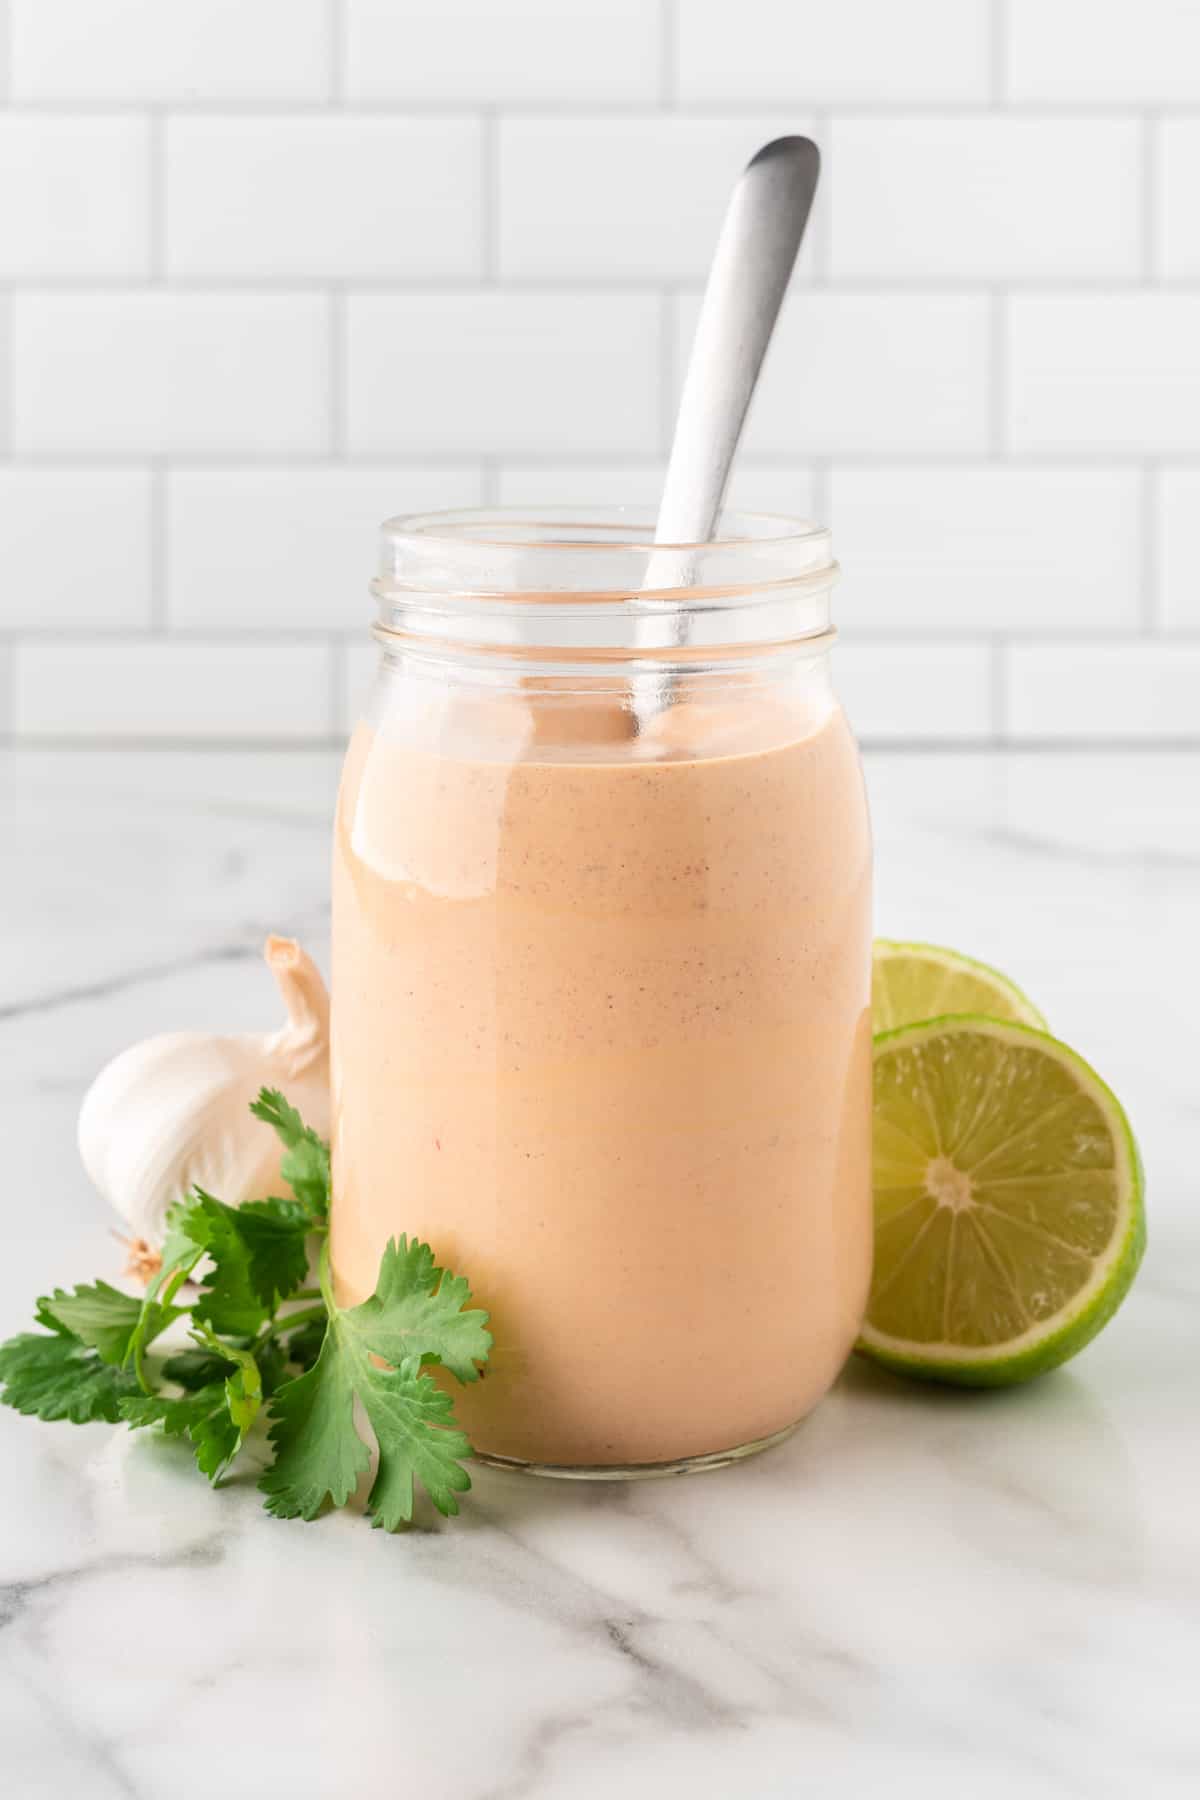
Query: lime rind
[[1051, 1343], [1022, 1008]]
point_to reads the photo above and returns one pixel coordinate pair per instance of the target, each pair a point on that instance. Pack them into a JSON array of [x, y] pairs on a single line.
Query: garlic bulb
[[172, 1113]]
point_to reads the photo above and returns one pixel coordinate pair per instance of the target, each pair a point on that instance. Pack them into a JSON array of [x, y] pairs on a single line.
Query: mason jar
[[602, 940]]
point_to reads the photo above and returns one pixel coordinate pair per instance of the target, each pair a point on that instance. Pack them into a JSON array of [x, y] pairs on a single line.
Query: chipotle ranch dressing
[[601, 1035]]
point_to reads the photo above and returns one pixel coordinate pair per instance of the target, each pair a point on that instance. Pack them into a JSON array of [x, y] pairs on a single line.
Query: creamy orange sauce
[[601, 1035]]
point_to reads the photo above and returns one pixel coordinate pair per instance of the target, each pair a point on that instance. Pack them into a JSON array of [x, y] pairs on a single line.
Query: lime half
[[1008, 1202], [925, 981]]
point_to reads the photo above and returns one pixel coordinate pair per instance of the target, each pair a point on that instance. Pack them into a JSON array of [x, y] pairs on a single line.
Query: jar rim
[[582, 579], [459, 526]]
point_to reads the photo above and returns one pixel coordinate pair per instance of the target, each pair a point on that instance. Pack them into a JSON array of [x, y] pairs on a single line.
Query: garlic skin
[[172, 1112]]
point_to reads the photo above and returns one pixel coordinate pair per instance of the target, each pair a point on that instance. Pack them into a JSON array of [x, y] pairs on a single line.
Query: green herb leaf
[[194, 1369], [105, 1318], [259, 1255], [416, 1313], [319, 1453], [243, 1386], [304, 1344], [55, 1376], [275, 1233], [305, 1167], [230, 1300], [202, 1417]]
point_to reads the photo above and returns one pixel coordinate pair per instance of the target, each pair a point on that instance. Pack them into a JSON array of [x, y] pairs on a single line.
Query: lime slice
[[1008, 1202], [926, 981]]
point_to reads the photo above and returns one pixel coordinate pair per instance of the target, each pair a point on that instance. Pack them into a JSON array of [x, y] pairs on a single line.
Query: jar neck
[[565, 595]]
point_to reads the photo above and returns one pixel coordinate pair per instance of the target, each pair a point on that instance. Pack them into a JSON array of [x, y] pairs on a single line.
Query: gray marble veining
[[920, 1593]]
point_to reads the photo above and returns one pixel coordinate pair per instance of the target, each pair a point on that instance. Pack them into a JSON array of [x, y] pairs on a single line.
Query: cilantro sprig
[[268, 1347]]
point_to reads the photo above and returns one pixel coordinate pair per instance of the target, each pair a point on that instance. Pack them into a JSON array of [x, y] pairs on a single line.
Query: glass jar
[[602, 942]]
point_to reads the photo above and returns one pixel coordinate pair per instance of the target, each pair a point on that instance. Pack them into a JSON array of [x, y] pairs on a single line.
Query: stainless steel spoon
[[751, 267]]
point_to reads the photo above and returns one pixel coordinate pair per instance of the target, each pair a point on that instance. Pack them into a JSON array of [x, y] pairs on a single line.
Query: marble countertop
[[921, 1593]]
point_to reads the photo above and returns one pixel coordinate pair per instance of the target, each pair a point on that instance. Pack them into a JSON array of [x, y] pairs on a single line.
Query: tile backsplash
[[273, 269]]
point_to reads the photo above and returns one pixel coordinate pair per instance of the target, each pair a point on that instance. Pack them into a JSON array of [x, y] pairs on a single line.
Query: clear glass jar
[[602, 937]]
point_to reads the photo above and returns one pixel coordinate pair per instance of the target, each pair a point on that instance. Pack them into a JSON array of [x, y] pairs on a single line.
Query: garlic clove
[[172, 1112]]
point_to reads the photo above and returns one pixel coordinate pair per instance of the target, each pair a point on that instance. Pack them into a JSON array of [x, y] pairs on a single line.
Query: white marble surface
[[922, 1593]]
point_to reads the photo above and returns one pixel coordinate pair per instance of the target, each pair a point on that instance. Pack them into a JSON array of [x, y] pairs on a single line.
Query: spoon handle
[[750, 271]]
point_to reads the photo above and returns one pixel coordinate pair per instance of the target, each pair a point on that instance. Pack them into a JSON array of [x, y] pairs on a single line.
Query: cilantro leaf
[[319, 1453], [305, 1166], [194, 1369], [229, 1301], [417, 1312], [214, 1416], [275, 1233], [304, 1345], [259, 1255], [243, 1386], [104, 1318], [56, 1376], [202, 1417]]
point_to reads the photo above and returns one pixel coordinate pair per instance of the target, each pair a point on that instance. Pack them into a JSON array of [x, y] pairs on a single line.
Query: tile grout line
[[592, 286], [969, 107], [955, 457]]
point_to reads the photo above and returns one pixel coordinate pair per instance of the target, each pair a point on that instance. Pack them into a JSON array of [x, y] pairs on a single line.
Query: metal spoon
[[751, 267]]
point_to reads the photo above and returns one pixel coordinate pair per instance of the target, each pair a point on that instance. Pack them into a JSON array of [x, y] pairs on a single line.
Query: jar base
[[683, 1465]]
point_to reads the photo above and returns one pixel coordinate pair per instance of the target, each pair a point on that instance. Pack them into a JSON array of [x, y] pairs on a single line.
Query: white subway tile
[[1083, 51], [920, 692], [164, 692], [502, 373], [1178, 526], [1178, 211], [840, 51], [762, 487], [988, 549], [986, 199], [1107, 373], [556, 51], [158, 373], [74, 196], [74, 549], [638, 199], [1123, 692], [324, 197], [880, 374], [169, 50], [293, 549]]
